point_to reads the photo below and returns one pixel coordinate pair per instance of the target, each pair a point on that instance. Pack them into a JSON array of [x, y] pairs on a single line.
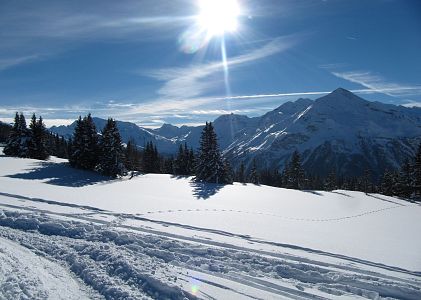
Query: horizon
[[66, 122], [157, 62]]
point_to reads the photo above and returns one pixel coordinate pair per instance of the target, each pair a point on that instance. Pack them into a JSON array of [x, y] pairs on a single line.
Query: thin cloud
[[6, 63], [194, 81], [30, 31], [379, 84]]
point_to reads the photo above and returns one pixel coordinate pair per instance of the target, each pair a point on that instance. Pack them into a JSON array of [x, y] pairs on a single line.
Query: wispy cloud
[[6, 63], [195, 80], [379, 84], [29, 29]]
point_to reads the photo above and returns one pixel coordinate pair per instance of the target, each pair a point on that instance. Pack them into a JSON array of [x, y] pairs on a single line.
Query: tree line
[[405, 182], [105, 153]]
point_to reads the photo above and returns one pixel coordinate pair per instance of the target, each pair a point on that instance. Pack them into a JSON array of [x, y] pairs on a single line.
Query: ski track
[[119, 261]]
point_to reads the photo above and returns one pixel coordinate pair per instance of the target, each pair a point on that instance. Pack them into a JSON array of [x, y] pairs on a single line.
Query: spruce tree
[[417, 175], [37, 147], [19, 138], [12, 147], [111, 160], [241, 176], [254, 175], [294, 172], [210, 166], [404, 180], [330, 183], [85, 152], [387, 183]]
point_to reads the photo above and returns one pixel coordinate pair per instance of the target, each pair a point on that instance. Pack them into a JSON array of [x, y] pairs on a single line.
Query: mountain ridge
[[339, 131]]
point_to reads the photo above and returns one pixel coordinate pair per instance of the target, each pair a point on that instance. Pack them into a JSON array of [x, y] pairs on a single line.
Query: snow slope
[[157, 236]]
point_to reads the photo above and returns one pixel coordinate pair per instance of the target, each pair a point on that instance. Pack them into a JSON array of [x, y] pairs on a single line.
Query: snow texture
[[160, 237]]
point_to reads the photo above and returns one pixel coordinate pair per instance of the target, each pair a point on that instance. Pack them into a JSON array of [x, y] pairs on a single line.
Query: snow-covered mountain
[[339, 131]]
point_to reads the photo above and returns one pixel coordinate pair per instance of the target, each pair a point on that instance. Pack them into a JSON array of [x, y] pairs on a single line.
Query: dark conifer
[[210, 166], [254, 175], [111, 160], [37, 147], [417, 175]]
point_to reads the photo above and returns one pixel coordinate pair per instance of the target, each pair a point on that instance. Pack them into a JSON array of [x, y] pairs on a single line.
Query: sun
[[217, 17]]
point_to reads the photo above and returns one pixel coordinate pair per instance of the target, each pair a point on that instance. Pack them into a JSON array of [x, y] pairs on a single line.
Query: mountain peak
[[343, 92]]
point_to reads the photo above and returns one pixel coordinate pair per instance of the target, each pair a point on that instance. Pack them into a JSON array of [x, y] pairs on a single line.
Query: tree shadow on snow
[[204, 190], [312, 192], [61, 174]]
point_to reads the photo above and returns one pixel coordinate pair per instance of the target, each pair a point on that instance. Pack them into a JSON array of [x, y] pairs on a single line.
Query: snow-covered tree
[[111, 160], [210, 166]]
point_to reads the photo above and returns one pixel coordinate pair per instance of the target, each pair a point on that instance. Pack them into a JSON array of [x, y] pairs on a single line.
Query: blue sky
[[139, 61]]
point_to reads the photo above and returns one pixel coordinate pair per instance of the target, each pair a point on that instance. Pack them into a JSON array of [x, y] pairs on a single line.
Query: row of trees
[[106, 154], [27, 142], [405, 183]]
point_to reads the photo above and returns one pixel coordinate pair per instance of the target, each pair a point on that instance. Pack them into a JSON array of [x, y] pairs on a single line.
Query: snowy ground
[[69, 234]]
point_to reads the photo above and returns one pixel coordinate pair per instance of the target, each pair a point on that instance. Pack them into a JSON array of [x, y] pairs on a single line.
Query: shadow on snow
[[204, 190], [60, 174]]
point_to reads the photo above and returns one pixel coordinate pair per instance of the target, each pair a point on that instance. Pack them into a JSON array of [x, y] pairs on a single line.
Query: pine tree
[[84, 150], [19, 138], [132, 156], [37, 147], [210, 166], [254, 175], [111, 160], [150, 159], [404, 180], [417, 175], [294, 172], [387, 183], [13, 144], [241, 176], [330, 183]]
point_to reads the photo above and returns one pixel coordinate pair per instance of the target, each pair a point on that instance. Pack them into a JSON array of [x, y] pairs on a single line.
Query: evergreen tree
[[37, 147], [254, 175], [404, 180], [241, 176], [294, 172], [387, 183], [330, 183], [132, 156], [210, 166], [417, 175], [84, 150], [17, 144], [111, 160], [150, 159]]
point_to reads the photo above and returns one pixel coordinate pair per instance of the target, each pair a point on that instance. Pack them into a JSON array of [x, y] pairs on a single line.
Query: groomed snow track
[[115, 261]]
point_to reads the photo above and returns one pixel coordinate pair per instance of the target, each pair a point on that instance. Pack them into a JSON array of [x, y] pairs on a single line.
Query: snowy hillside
[[354, 134], [70, 234]]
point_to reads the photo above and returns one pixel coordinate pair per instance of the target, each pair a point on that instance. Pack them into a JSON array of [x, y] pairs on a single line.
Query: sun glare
[[218, 16]]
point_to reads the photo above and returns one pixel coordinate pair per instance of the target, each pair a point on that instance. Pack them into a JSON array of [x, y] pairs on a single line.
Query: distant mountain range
[[339, 131]]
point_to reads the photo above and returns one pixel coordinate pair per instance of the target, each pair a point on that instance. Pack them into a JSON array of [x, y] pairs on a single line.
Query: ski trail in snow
[[25, 275], [118, 223], [120, 264]]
